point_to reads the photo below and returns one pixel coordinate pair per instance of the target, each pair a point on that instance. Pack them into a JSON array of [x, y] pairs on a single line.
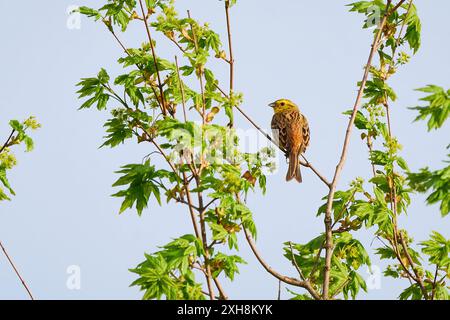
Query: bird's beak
[[272, 105]]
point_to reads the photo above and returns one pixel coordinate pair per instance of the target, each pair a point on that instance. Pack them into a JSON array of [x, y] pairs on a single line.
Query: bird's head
[[283, 105]]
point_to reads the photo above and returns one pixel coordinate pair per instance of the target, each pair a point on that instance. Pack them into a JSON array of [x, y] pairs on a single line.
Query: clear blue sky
[[309, 51]]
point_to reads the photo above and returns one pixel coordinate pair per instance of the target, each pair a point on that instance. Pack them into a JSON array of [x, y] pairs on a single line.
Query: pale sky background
[[309, 51]]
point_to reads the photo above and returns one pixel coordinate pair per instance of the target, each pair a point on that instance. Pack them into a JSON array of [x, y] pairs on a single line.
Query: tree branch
[[16, 271], [340, 165], [292, 281], [183, 97], [294, 262], [230, 47], [191, 211], [222, 294], [396, 7], [204, 240], [152, 47], [200, 73], [436, 273], [5, 145], [418, 278]]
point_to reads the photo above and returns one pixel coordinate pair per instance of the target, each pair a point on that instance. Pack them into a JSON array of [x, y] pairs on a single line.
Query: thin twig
[[172, 166], [185, 202], [295, 262], [16, 271], [119, 41], [436, 273], [411, 263], [210, 203], [222, 294], [191, 211], [308, 164], [199, 267], [396, 7], [409, 275], [408, 11], [230, 47], [199, 71], [279, 290], [207, 294], [204, 239], [292, 281], [370, 146], [183, 98], [177, 44], [139, 67], [7, 141], [316, 261], [155, 61], [338, 290]]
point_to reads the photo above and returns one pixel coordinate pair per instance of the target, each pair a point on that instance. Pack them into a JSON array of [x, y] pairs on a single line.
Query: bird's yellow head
[[282, 105]]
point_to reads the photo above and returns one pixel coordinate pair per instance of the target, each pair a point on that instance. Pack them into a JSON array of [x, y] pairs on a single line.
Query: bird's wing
[[305, 133], [279, 129]]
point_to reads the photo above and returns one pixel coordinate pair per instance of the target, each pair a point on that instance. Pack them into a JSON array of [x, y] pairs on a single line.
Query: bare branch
[[308, 164], [436, 273], [279, 290], [230, 47], [16, 271], [6, 144], [222, 294], [295, 262], [396, 7], [292, 281], [204, 239]]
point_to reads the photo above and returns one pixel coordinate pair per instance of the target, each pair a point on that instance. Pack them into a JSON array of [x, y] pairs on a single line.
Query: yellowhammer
[[291, 130]]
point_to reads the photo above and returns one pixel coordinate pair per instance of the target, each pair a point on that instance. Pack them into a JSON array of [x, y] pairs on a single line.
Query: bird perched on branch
[[291, 130]]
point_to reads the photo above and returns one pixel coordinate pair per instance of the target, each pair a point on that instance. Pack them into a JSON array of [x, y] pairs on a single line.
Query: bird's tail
[[294, 168]]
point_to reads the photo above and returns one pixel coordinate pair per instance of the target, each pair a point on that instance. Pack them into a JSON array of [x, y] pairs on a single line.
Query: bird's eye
[[282, 104]]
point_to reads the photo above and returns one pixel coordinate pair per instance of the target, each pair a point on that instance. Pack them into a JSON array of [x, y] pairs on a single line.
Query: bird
[[291, 131]]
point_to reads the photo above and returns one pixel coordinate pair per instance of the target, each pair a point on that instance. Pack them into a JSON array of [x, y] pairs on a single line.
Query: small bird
[[291, 130]]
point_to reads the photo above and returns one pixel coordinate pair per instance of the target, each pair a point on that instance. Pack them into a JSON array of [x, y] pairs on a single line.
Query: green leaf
[[414, 28], [29, 144], [228, 264], [413, 292], [5, 182], [143, 180], [89, 12], [16, 125], [438, 182], [118, 130], [437, 109], [355, 283], [402, 163], [219, 232], [361, 122], [437, 249]]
